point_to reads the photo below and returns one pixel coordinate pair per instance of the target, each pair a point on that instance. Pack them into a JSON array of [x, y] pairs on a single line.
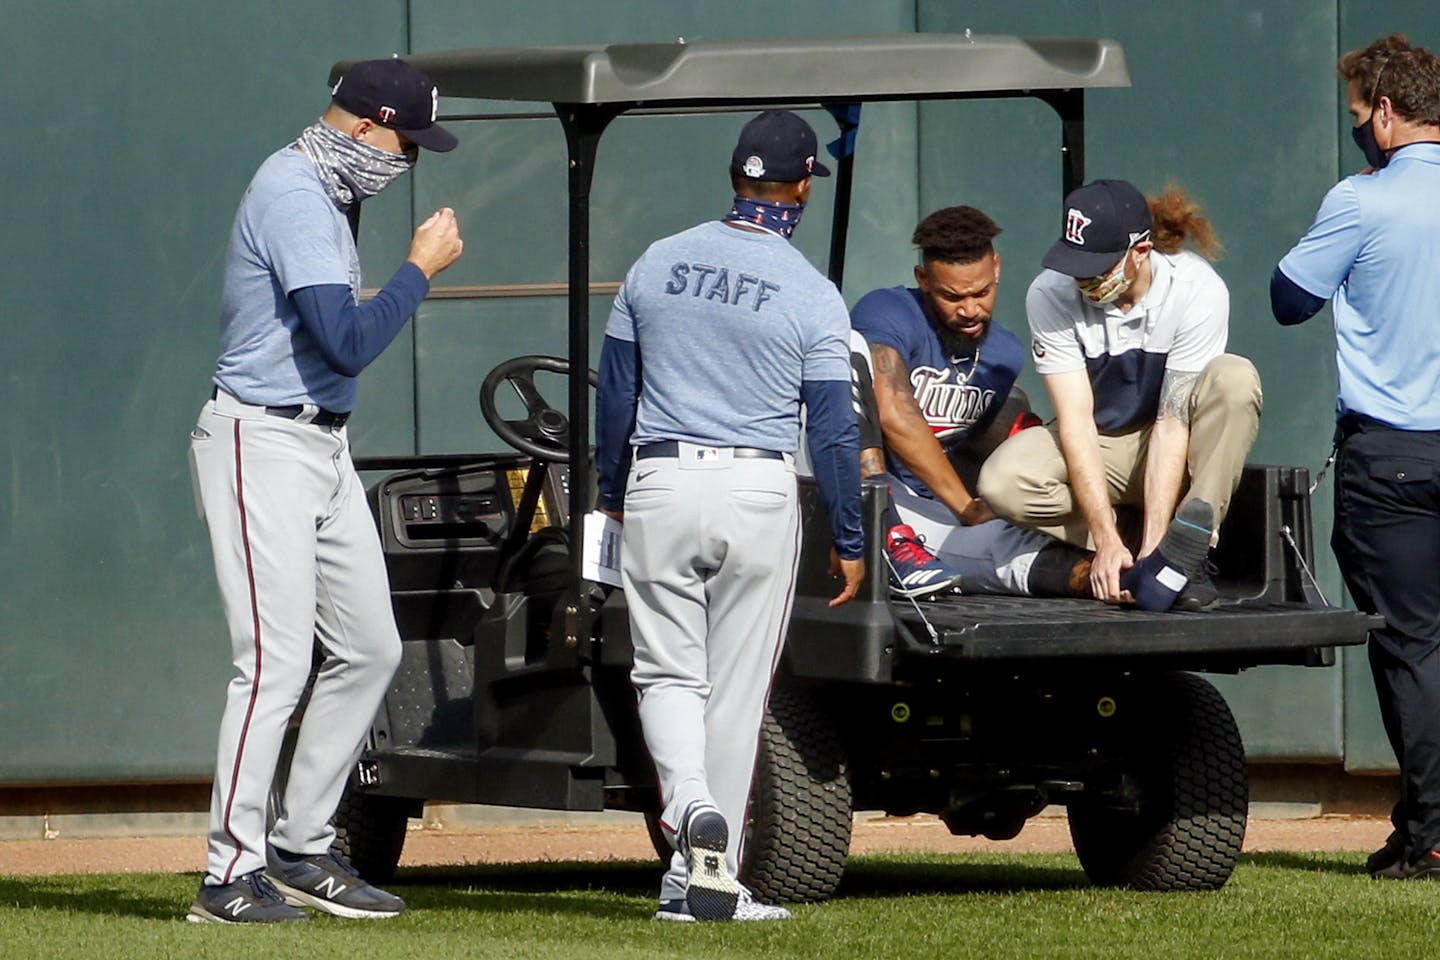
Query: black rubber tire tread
[[1190, 763], [798, 837], [370, 833]]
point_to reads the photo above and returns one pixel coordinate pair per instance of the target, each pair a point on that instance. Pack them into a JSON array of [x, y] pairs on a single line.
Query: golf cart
[[513, 687]]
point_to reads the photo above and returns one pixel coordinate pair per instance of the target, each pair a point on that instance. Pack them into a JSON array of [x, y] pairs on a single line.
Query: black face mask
[[1364, 136]]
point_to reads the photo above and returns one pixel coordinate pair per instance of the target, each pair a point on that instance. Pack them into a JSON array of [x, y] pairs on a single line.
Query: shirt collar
[[1423, 151]]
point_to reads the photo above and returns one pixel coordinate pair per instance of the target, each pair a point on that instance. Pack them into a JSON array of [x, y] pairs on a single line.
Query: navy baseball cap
[[777, 145], [395, 95], [1103, 219]]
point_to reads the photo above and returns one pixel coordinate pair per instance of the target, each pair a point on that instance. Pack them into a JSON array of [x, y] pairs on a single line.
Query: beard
[[957, 344]]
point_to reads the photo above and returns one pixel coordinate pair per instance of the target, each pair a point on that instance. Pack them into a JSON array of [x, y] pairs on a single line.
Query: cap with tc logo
[[777, 145], [395, 95], [1103, 219]]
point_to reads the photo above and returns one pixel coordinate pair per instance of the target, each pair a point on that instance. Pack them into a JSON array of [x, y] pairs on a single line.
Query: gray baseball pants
[[708, 561], [297, 557]]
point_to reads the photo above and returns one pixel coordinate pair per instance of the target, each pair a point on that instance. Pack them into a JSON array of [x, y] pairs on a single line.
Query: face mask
[[777, 218], [1107, 288], [349, 169], [1364, 136]]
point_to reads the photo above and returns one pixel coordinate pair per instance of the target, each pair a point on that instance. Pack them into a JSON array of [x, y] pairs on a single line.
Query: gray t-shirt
[[728, 323], [287, 235]]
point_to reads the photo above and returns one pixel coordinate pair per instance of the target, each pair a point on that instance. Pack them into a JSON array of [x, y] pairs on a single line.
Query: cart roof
[[832, 69]]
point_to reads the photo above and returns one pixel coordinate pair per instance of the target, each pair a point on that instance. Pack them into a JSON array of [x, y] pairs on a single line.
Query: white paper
[[600, 560]]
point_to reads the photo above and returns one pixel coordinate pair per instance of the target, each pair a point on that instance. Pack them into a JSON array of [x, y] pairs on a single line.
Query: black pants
[[1387, 542]]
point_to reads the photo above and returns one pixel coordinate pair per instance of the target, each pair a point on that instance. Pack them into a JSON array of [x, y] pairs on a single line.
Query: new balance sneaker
[[914, 570], [747, 909], [1158, 579], [674, 910], [703, 839], [1392, 853], [248, 899], [1426, 868], [328, 883]]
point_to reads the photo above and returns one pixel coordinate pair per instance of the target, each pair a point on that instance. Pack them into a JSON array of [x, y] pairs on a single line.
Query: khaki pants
[[1027, 482]]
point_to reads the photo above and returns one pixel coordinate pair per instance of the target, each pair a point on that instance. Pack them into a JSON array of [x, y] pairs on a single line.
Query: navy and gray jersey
[[716, 337], [958, 395], [1181, 325]]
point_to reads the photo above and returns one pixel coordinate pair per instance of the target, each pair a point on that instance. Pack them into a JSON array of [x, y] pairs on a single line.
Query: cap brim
[[1081, 264], [818, 169], [433, 137]]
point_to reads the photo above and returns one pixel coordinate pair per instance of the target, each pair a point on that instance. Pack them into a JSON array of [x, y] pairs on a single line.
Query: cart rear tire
[[798, 836], [1185, 830]]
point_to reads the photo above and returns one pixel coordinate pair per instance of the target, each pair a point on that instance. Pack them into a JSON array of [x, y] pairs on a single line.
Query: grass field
[[922, 906]]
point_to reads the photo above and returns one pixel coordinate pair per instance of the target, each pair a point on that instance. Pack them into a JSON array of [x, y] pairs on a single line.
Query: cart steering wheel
[[545, 433]]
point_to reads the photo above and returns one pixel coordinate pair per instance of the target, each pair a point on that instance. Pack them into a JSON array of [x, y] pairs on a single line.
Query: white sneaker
[[747, 908]]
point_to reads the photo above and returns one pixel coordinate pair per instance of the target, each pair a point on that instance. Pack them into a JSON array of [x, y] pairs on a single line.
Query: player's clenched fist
[[437, 242]]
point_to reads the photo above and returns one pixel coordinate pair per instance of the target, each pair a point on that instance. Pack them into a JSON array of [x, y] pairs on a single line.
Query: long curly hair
[[1178, 220]]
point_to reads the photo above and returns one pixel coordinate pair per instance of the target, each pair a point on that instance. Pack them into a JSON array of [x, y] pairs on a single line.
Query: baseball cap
[[395, 95], [777, 145], [1103, 219]]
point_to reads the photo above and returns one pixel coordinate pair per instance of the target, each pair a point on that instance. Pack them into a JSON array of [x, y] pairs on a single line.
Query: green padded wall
[[144, 121], [1237, 102], [654, 176]]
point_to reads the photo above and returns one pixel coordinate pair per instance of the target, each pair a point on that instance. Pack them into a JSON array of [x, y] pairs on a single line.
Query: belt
[[322, 417], [1352, 423], [671, 448]]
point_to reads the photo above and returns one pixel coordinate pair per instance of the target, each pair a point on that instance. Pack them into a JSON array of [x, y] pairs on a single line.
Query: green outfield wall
[[134, 127]]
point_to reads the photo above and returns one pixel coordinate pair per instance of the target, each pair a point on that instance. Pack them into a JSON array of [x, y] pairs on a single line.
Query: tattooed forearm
[[1175, 392], [872, 462]]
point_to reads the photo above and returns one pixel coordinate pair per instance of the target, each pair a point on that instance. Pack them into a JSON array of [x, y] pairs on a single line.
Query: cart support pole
[[1070, 105], [847, 117], [583, 123]]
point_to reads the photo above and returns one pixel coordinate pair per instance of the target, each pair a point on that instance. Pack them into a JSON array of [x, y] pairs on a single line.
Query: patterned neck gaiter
[[350, 170], [780, 219]]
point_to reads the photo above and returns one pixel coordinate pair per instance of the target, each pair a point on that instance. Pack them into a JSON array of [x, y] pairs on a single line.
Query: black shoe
[[327, 883], [1199, 592], [1387, 856], [711, 892], [249, 899], [1426, 868]]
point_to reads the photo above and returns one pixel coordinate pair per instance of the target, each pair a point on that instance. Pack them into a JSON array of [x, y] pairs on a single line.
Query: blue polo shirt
[[1375, 249]]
